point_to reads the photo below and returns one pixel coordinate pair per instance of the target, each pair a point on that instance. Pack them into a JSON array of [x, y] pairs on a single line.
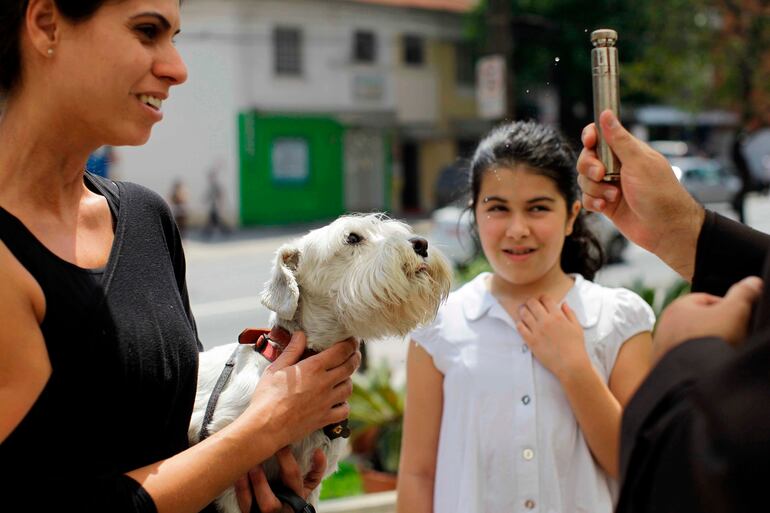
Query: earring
[[50, 52]]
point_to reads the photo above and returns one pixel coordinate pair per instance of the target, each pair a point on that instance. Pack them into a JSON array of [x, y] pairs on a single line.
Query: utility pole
[[499, 41]]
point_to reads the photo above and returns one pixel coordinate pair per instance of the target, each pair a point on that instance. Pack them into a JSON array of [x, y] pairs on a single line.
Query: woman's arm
[[24, 364], [291, 400], [422, 422], [556, 339]]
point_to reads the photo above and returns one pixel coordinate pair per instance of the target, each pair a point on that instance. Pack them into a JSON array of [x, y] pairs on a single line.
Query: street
[[225, 277]]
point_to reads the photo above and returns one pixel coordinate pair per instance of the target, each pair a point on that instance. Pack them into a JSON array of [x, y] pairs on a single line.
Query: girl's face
[[112, 71], [522, 221]]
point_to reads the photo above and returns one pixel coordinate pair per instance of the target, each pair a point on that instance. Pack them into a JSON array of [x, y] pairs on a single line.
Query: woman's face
[[522, 221], [113, 71]]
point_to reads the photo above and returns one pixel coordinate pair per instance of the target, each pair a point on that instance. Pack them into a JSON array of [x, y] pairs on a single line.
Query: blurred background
[[300, 110]]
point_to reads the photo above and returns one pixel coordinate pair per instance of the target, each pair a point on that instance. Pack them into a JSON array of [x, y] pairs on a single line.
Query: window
[[364, 46], [290, 160], [465, 71], [287, 45], [414, 50]]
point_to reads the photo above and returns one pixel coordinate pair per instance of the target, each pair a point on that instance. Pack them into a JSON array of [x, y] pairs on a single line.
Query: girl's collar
[[584, 298]]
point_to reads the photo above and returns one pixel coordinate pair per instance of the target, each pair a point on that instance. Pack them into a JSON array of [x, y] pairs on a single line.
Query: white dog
[[362, 276]]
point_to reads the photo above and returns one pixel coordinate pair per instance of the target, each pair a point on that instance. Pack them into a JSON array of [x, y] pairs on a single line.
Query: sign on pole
[[491, 87]]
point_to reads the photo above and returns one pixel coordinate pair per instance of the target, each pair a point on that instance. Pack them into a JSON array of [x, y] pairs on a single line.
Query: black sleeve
[[696, 436], [727, 252], [176, 250], [120, 495]]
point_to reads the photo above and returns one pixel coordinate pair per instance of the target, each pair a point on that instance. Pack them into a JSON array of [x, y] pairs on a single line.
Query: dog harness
[[270, 344]]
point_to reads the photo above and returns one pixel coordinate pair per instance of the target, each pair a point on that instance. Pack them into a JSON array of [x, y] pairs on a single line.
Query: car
[[451, 233], [707, 180], [670, 148]]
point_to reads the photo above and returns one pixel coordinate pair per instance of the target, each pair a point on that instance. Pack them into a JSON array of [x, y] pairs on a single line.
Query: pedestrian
[[98, 348], [100, 161], [178, 200], [214, 200], [695, 436], [744, 173], [515, 392]]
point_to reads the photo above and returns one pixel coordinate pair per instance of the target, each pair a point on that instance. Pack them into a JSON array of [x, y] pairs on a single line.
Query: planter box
[[384, 502]]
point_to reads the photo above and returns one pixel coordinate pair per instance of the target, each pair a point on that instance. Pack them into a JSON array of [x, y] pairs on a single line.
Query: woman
[[98, 350], [515, 392]]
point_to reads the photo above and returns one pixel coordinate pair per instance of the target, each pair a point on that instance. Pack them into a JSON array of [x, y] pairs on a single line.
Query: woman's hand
[[554, 336], [290, 475], [294, 398]]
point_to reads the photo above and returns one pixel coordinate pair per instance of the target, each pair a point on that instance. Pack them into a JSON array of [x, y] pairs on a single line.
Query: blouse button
[[525, 399], [530, 504], [524, 348], [528, 454]]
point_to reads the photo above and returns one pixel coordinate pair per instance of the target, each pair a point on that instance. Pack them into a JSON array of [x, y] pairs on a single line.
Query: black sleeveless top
[[124, 353]]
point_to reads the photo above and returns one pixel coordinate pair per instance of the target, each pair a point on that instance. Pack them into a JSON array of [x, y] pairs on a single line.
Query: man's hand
[[650, 207], [291, 477], [703, 315]]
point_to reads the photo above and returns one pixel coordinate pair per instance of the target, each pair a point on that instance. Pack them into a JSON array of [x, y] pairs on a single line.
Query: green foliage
[[659, 299], [702, 54], [469, 271], [376, 404], [345, 482]]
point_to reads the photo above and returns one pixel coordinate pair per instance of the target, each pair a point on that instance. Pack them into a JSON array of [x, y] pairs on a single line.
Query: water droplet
[[585, 30], [557, 59], [527, 91], [547, 83]]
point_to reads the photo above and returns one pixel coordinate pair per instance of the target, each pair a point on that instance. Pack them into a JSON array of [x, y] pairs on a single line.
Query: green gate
[[291, 168]]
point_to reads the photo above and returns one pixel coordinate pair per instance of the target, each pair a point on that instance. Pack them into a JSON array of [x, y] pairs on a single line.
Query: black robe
[[696, 435]]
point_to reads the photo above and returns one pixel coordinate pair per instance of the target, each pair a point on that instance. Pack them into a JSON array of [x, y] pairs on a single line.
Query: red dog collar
[[270, 344]]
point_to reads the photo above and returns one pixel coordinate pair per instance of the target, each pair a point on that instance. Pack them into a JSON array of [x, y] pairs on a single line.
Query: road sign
[[491, 87]]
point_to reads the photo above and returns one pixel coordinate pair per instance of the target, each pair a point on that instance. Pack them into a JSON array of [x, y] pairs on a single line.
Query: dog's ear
[[281, 292]]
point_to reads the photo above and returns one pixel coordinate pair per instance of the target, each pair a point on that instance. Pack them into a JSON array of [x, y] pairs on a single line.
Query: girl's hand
[[554, 336], [291, 477]]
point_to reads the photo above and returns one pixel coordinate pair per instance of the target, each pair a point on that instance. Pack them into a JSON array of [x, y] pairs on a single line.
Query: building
[[306, 109]]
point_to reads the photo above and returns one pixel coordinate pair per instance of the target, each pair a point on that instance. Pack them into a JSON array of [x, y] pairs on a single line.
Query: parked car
[[671, 148], [451, 233], [451, 184], [706, 179]]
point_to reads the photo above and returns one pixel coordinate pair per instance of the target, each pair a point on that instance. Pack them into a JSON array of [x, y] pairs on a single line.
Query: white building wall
[[228, 48]]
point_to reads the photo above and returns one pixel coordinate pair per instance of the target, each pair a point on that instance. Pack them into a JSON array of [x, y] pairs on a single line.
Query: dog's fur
[[332, 288]]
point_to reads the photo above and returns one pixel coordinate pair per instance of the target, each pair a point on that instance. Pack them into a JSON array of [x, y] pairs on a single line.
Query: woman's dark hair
[[545, 152], [12, 14]]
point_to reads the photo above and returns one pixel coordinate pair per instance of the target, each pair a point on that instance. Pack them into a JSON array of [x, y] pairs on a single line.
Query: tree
[[702, 54], [550, 46]]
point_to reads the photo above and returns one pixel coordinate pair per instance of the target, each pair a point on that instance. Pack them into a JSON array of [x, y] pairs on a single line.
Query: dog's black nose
[[420, 246]]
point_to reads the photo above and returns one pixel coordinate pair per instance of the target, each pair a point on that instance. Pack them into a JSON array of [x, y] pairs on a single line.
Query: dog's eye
[[353, 238]]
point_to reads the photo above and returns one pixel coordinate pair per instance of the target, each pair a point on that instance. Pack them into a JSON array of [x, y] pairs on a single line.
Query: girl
[[515, 392]]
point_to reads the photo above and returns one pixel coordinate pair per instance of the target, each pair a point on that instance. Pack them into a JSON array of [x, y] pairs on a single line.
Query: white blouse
[[509, 441]]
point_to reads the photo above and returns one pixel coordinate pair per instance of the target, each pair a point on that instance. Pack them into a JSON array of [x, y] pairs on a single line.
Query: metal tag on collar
[[339, 430]]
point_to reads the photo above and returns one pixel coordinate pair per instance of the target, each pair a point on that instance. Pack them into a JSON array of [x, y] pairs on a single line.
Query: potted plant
[[376, 421]]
